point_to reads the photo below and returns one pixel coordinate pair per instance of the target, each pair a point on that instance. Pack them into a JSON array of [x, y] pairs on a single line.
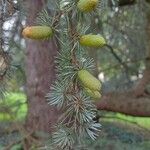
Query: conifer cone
[[37, 32], [93, 94], [87, 5], [89, 81], [90, 40]]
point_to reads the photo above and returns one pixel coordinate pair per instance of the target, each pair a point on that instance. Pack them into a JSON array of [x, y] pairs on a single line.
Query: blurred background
[[27, 70]]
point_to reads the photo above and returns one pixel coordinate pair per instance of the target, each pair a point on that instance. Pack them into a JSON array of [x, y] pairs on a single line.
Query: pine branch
[[75, 86]]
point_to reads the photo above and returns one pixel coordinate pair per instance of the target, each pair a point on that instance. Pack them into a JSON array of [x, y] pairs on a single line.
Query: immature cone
[[87, 5], [91, 40], [37, 32], [93, 94], [89, 81]]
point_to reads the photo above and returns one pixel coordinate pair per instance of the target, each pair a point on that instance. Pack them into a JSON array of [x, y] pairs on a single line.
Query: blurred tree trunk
[[40, 73], [135, 102]]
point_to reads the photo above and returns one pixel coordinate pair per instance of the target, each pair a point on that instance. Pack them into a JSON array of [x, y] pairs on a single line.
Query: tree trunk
[[40, 73]]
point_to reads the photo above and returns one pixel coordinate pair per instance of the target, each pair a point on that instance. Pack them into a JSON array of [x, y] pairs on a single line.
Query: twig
[[118, 65], [117, 57]]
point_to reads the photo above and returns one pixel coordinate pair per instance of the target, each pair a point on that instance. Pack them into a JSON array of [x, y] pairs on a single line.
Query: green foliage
[[17, 147], [141, 121], [13, 108]]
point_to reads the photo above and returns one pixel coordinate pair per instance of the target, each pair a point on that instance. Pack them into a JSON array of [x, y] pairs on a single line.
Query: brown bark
[[126, 103], [40, 73]]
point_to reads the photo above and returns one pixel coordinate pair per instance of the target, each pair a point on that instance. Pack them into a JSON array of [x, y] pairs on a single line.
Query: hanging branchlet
[[75, 88], [79, 111]]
